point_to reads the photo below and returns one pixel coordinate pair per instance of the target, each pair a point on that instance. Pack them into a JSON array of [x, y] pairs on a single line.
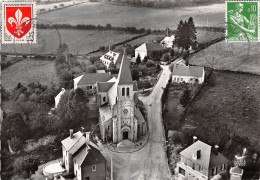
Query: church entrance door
[[125, 135]]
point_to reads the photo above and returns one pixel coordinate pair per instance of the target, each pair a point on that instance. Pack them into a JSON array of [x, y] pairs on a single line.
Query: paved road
[[149, 163]]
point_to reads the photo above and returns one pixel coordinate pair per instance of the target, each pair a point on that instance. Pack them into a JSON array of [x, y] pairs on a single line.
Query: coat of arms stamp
[[18, 22], [242, 18]]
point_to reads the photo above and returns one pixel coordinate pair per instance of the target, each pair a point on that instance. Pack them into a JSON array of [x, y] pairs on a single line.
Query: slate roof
[[68, 143], [124, 76], [104, 86], [194, 71], [92, 78], [208, 158], [153, 46], [139, 115], [88, 157]]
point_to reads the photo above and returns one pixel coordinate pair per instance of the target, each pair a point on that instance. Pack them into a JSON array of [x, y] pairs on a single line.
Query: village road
[[149, 163]]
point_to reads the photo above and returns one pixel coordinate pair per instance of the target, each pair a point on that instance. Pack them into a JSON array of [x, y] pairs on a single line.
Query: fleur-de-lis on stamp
[[18, 21]]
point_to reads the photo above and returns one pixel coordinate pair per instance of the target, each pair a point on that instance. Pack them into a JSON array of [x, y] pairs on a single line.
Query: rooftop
[[125, 76], [194, 71], [68, 143], [208, 158], [88, 155], [91, 78], [104, 86]]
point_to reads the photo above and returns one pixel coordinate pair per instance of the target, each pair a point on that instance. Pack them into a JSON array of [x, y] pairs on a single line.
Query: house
[[146, 49], [201, 161], [188, 74], [167, 42], [236, 173], [88, 81], [110, 57], [82, 158], [57, 98], [119, 117]]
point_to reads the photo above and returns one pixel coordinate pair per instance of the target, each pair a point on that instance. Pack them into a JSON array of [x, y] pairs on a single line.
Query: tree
[[135, 72], [165, 58], [72, 108], [192, 32], [138, 59], [185, 98], [27, 163], [14, 126], [112, 68], [172, 52], [186, 34]]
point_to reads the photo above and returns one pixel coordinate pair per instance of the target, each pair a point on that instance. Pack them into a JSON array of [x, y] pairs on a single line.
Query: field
[[230, 56], [81, 41], [27, 71], [123, 16], [233, 100], [204, 36]]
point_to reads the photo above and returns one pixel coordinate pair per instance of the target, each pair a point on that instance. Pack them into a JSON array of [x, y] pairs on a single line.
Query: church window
[[125, 111], [104, 99], [123, 91], [127, 91]]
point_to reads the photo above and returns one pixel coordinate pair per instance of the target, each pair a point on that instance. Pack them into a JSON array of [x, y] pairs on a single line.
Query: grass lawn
[[79, 41], [239, 59], [233, 101], [123, 16], [27, 71]]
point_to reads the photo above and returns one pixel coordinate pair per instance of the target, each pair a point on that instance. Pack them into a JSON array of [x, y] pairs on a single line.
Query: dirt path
[[150, 162]]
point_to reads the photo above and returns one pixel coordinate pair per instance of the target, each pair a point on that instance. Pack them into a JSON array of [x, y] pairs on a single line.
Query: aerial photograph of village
[[133, 90]]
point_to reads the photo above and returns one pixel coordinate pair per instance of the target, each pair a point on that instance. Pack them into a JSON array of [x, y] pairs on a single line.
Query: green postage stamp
[[242, 21]]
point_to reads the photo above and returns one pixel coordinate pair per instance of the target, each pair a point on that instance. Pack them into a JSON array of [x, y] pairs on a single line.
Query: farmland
[[27, 71], [81, 41], [232, 100], [123, 16], [242, 57]]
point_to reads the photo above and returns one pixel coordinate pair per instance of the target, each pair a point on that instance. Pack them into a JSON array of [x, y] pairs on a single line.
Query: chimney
[[195, 139], [71, 133], [87, 148], [87, 137], [216, 147], [83, 130]]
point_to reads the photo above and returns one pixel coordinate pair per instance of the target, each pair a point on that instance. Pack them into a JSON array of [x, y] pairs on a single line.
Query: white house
[[147, 48], [201, 161], [168, 41], [109, 57], [57, 98], [188, 74]]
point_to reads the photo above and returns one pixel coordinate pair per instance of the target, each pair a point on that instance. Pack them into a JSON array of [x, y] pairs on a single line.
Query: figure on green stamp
[[239, 19], [243, 15]]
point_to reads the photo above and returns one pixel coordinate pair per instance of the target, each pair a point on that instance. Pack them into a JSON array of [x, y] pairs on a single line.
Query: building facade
[[120, 118]]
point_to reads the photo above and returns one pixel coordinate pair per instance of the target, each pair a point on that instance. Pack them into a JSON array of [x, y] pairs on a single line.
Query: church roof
[[92, 78], [104, 86], [139, 115], [124, 76]]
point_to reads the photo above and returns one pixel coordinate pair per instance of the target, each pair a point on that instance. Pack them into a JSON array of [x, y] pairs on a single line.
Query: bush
[[144, 84], [27, 163], [16, 144]]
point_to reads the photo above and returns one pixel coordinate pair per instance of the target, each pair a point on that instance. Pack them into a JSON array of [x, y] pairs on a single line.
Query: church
[[120, 118]]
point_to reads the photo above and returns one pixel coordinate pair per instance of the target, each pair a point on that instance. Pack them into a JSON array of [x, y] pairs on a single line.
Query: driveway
[[150, 162]]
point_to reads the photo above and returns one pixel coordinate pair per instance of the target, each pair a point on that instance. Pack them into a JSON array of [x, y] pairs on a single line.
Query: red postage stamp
[[18, 22]]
